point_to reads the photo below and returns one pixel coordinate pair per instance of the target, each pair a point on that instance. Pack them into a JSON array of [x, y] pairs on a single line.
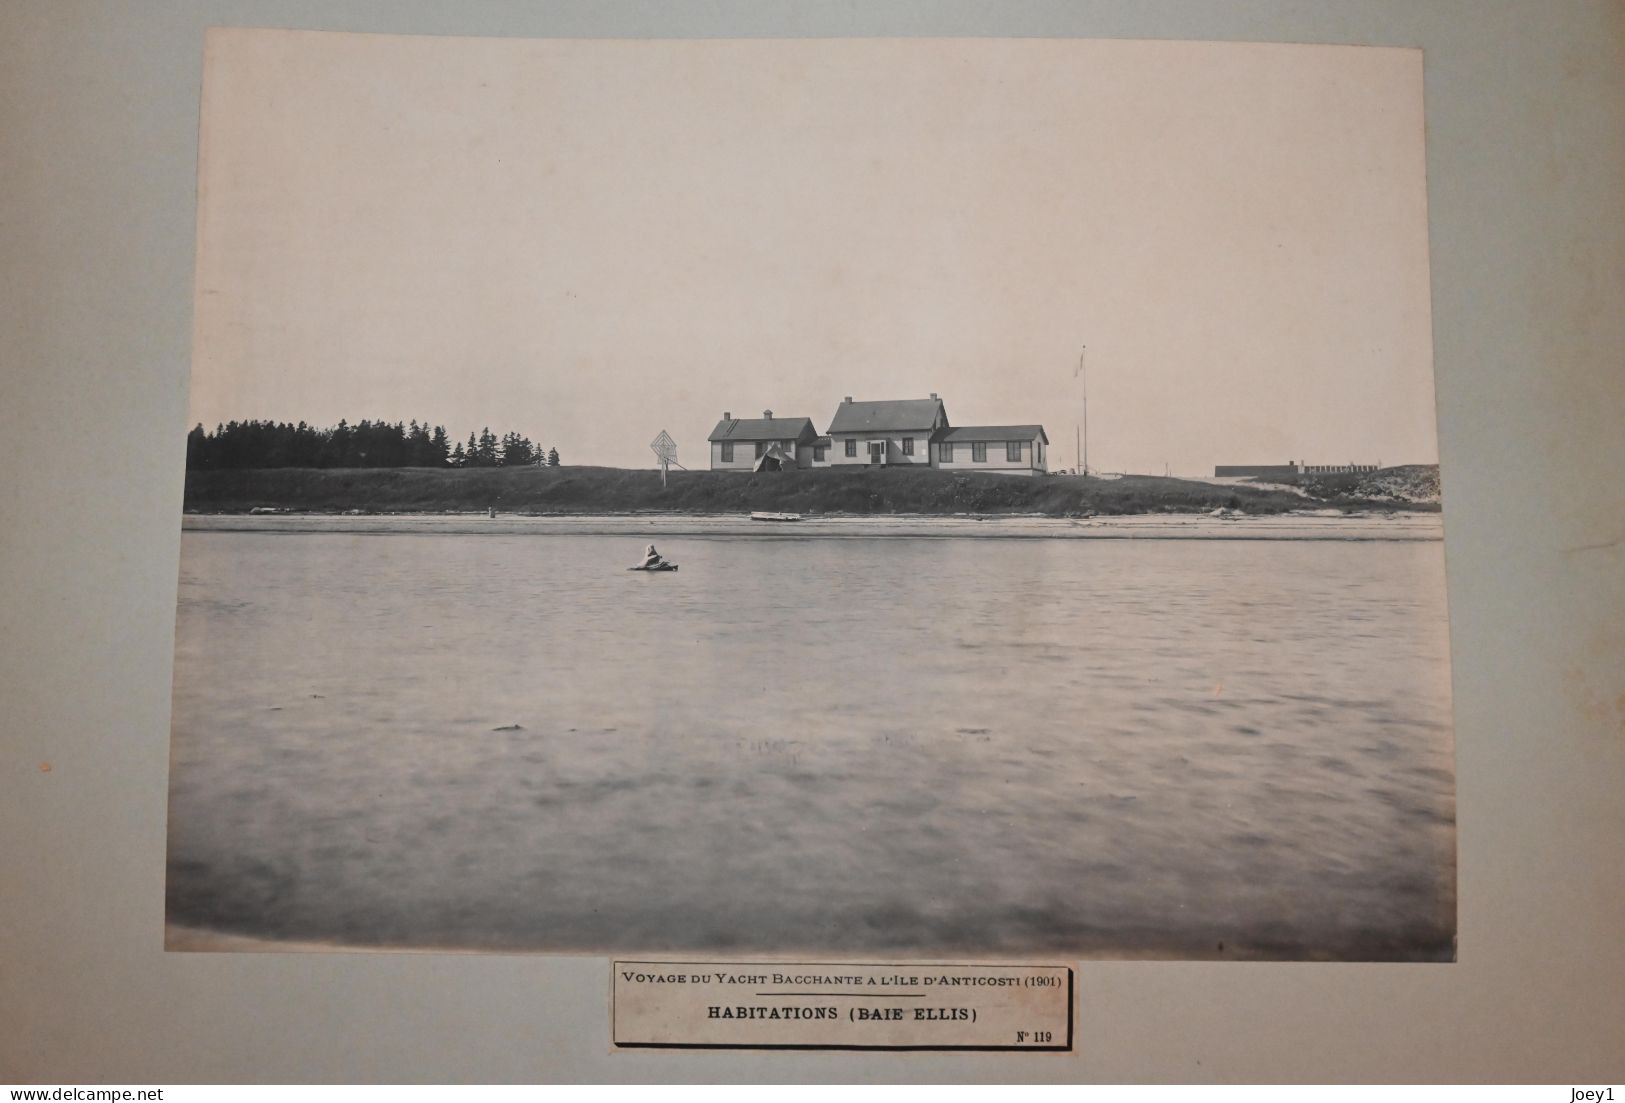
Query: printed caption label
[[830, 1005]]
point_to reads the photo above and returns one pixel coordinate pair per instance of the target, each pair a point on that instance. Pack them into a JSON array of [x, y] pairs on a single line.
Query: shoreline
[[184, 938], [1308, 525], [878, 494]]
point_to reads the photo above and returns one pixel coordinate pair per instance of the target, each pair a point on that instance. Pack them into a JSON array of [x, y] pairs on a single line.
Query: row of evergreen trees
[[364, 444], [513, 450]]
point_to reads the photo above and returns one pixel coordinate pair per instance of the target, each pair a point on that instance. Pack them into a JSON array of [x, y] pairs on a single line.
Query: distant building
[[765, 443], [1290, 467], [1335, 468], [911, 432]]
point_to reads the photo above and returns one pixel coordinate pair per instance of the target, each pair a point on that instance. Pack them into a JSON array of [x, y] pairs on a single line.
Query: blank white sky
[[591, 241]]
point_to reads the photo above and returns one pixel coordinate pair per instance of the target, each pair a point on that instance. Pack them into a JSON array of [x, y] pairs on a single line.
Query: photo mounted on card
[[813, 501]]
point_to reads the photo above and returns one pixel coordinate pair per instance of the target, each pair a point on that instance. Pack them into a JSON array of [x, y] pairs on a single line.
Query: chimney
[[848, 398], [768, 414], [933, 394], [726, 416]]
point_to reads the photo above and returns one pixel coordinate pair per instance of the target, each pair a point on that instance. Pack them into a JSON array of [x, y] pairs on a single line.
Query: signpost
[[666, 449]]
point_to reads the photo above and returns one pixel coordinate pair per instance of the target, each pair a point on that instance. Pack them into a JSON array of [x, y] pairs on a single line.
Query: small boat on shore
[[764, 516]]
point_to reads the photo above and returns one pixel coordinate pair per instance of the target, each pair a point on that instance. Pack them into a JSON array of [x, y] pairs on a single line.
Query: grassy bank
[[1411, 483], [617, 490]]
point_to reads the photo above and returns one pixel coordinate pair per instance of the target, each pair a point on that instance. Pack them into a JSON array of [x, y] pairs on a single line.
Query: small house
[[1005, 449], [765, 443]]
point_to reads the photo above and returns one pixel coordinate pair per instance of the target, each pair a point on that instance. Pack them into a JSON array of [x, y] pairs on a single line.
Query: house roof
[[993, 432], [908, 413], [762, 428]]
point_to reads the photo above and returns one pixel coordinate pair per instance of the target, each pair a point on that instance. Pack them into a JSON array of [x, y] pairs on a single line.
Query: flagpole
[[1083, 371]]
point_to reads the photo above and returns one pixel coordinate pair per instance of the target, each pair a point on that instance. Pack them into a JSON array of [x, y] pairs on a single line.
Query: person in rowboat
[[651, 558]]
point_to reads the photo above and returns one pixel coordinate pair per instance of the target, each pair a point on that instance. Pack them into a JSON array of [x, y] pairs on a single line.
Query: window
[[761, 446], [947, 451], [1012, 451], [978, 452], [852, 448], [727, 451], [819, 452], [908, 446]]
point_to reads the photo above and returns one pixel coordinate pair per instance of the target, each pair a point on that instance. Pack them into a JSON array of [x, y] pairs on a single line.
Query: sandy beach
[[1308, 525]]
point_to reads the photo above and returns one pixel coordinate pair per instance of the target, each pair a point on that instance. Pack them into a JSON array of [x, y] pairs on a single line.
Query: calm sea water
[[923, 746]]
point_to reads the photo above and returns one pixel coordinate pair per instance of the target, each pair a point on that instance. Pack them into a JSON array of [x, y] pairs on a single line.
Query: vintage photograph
[[926, 498]]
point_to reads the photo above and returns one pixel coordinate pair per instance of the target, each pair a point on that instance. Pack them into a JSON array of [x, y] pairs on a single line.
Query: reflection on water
[[922, 746]]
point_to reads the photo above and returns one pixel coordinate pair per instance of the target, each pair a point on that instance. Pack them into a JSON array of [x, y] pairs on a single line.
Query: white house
[[885, 433], [765, 443], [1006, 449]]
